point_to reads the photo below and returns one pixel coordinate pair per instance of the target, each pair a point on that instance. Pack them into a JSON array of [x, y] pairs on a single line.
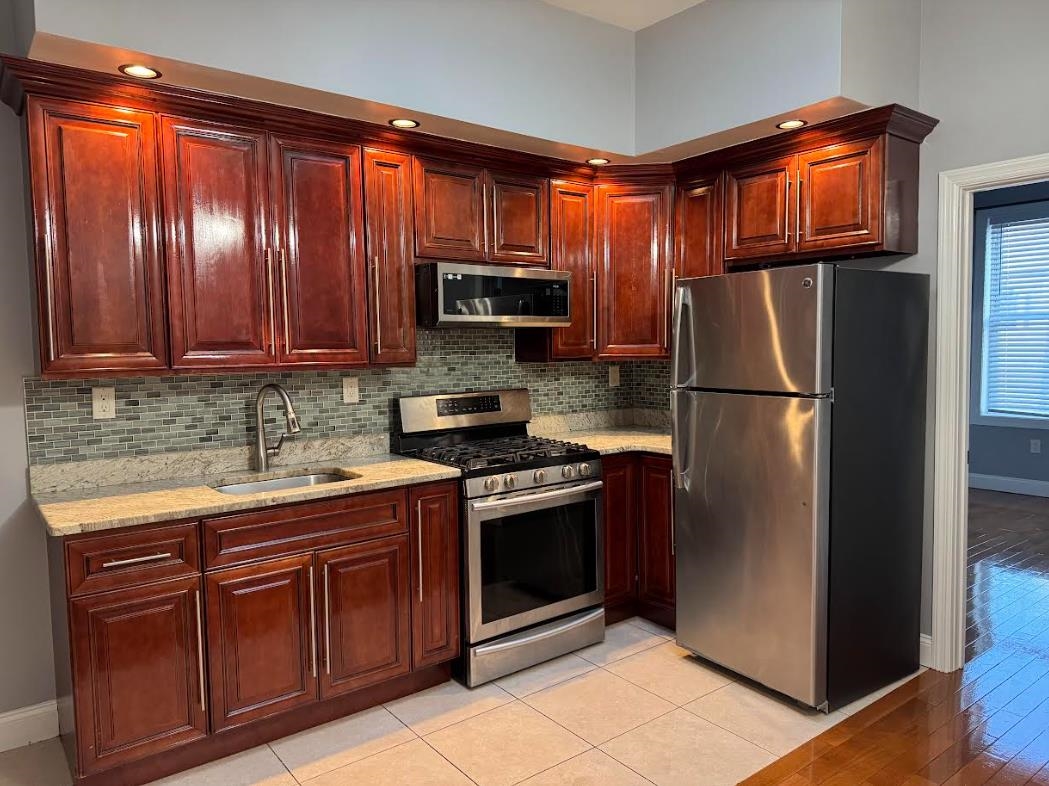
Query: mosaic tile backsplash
[[172, 413]]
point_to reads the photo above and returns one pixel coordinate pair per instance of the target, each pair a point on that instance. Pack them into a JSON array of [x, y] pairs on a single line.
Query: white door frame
[[954, 266]]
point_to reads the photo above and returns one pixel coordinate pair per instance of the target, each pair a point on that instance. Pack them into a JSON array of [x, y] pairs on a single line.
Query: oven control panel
[[467, 405], [523, 479]]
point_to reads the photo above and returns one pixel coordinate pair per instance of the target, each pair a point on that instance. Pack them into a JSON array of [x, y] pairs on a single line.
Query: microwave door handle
[[542, 496]]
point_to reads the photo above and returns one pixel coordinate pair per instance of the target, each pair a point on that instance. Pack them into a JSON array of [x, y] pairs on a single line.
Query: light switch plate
[[351, 391], [613, 376], [103, 403], [1036, 446]]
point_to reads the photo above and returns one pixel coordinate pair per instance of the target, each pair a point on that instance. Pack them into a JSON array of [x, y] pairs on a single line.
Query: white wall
[[26, 666], [518, 65], [880, 50]]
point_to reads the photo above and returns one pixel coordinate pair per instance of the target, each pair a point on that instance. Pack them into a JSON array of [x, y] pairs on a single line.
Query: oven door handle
[[542, 496]]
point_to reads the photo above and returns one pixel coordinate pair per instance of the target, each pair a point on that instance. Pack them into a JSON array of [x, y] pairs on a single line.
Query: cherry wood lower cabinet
[[639, 541], [173, 651]]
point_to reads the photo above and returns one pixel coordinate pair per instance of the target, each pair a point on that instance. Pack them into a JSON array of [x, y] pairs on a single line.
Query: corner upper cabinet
[[391, 271], [96, 203], [449, 210], [633, 270], [518, 218], [759, 209], [698, 229], [221, 297], [319, 254]]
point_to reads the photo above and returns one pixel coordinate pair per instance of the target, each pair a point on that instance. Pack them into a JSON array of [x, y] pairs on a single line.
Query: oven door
[[532, 556]]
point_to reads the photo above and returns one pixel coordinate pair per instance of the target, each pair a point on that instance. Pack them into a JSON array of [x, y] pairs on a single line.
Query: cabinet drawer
[[272, 533], [130, 558]]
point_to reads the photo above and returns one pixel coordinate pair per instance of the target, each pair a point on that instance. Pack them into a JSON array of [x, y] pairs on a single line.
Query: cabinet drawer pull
[[419, 544], [120, 563], [284, 292], [327, 623], [200, 653], [313, 625]]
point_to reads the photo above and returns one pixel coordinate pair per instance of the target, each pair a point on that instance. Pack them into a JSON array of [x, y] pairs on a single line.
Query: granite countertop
[[112, 507]]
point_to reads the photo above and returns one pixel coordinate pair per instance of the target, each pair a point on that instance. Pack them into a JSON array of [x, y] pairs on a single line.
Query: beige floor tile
[[255, 767], [651, 627], [528, 681], [859, 704], [682, 748], [412, 764], [621, 641], [773, 723], [315, 751], [592, 768], [506, 745], [39, 764], [446, 704], [670, 672], [598, 706]]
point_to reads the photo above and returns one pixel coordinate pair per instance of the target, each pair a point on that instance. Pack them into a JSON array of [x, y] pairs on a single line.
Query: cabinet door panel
[[633, 272], [699, 230], [760, 214], [319, 224], [620, 476], [95, 204], [572, 238], [518, 218], [260, 640], [449, 210], [220, 285], [387, 189], [656, 549], [366, 628], [435, 574], [841, 195], [137, 672]]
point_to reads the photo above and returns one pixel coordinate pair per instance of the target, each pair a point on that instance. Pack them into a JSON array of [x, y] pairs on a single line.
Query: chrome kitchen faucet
[[263, 450]]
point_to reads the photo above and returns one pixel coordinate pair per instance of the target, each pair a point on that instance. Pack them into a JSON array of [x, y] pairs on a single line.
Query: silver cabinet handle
[[327, 624], [378, 316], [273, 317], [120, 563], [313, 624], [284, 291], [667, 291], [526, 499], [786, 212], [593, 308], [797, 211], [200, 653], [419, 543]]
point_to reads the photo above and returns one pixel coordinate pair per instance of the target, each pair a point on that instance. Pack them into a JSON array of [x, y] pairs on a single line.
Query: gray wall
[[26, 670]]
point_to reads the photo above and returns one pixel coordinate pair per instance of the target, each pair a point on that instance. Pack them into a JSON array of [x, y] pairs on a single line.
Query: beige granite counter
[[621, 440], [111, 507]]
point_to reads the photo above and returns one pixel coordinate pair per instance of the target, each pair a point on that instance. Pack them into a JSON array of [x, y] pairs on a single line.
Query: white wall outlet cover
[[1036, 446], [613, 376], [103, 403], [351, 391]]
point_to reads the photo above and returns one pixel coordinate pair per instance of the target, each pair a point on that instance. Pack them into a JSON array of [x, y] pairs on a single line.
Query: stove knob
[[491, 484], [567, 471], [584, 470], [539, 476], [509, 481]]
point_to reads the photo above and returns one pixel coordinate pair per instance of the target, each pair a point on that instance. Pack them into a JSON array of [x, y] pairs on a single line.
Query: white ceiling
[[630, 14]]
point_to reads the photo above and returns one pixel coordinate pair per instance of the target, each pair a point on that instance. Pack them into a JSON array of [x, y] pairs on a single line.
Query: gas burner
[[501, 452]]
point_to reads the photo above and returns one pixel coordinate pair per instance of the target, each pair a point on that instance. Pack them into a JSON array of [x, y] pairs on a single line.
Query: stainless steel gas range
[[533, 548]]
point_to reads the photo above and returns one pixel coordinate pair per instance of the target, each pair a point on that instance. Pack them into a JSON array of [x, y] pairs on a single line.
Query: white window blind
[[1016, 319]]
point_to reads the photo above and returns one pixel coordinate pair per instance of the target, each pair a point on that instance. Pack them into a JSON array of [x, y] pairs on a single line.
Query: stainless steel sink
[[289, 482]]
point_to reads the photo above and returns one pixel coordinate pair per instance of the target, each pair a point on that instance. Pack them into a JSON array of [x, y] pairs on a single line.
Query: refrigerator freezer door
[[751, 514], [764, 331]]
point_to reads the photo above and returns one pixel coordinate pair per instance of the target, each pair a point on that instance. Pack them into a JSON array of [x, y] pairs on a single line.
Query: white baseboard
[[28, 724], [925, 650], [1036, 488]]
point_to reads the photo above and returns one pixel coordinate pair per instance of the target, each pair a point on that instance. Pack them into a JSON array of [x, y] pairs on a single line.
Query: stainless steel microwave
[[452, 293]]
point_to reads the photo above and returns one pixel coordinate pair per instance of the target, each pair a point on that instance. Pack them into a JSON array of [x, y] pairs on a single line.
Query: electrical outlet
[[1036, 446], [613, 376], [103, 403], [351, 391]]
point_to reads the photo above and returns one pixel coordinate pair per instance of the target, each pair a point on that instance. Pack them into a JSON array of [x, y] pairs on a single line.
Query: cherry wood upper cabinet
[[698, 230], [518, 218], [220, 269], [759, 212], [137, 671], [262, 645], [388, 217], [633, 270], [840, 189], [365, 628], [96, 216], [620, 501], [449, 210], [435, 573], [655, 532], [572, 245], [318, 221]]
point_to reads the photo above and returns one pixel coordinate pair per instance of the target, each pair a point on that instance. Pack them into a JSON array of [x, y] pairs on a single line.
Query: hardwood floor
[[987, 723]]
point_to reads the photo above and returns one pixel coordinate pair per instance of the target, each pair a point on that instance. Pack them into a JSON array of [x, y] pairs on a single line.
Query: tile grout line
[[445, 758]]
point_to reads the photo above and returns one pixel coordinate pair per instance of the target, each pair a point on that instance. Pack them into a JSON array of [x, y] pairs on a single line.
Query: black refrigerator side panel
[[881, 322]]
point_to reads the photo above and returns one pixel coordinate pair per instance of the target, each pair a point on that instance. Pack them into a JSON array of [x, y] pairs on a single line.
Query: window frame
[[982, 218]]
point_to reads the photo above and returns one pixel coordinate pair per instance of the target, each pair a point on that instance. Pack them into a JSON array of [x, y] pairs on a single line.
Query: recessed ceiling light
[[789, 125], [139, 71], [404, 122], [597, 161]]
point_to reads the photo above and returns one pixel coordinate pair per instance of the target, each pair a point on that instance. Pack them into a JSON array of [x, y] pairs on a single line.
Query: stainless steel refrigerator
[[798, 408]]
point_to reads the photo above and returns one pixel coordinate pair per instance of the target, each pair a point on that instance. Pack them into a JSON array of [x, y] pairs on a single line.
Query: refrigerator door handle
[[682, 342], [680, 433]]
